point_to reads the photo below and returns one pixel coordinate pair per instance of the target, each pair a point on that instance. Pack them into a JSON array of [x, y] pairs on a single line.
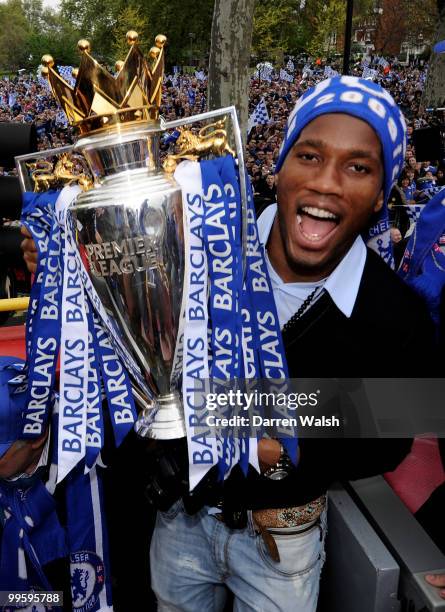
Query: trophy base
[[168, 423]]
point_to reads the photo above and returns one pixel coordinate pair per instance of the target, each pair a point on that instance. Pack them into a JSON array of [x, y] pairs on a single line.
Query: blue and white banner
[[73, 352], [88, 542], [285, 76], [369, 73], [43, 322], [413, 211], [330, 72], [260, 116], [66, 72], [264, 71], [201, 449]]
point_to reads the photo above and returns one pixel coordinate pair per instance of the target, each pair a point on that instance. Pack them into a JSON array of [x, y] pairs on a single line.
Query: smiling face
[[329, 186]]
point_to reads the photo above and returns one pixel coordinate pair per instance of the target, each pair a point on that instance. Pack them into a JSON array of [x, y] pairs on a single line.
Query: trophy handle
[[48, 175], [224, 112]]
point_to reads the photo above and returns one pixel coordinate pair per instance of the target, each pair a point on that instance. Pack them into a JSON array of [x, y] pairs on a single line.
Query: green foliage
[[57, 37], [104, 24], [33, 10], [278, 24], [130, 18], [14, 33], [327, 19], [95, 20], [420, 16], [27, 31], [177, 20]]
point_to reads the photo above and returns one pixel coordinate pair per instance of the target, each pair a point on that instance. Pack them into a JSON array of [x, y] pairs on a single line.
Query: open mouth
[[316, 223]]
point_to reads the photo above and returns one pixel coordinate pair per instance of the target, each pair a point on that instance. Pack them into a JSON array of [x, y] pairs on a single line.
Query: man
[[263, 537], [338, 304]]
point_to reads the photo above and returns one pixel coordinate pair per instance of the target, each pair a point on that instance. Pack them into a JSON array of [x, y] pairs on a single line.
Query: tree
[[402, 21], [33, 10], [420, 18], [434, 92], [14, 32], [96, 21], [231, 40], [56, 36], [390, 31], [326, 19], [186, 26], [130, 19], [278, 24]]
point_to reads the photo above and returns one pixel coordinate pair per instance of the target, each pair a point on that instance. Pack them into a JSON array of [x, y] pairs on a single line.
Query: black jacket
[[325, 343]]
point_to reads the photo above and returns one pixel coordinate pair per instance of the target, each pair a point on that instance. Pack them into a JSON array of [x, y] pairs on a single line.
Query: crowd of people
[[28, 99]]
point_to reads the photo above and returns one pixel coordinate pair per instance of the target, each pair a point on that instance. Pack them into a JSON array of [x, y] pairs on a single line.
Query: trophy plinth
[[169, 421]]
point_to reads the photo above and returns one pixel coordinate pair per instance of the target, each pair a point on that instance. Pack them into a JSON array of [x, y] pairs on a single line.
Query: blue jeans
[[193, 557]]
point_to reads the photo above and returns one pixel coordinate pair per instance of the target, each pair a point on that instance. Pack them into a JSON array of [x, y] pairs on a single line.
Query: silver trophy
[[128, 222]]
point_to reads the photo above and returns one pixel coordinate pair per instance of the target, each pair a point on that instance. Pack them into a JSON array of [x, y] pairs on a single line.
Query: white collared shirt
[[342, 284]]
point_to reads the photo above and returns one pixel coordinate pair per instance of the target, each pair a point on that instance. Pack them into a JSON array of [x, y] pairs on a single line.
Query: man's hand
[[29, 249], [437, 580], [269, 452]]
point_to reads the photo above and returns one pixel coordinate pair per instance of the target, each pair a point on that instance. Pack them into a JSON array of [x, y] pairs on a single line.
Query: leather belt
[[302, 518], [290, 517]]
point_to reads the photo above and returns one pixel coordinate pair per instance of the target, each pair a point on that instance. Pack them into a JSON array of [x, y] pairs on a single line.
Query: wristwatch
[[281, 469]]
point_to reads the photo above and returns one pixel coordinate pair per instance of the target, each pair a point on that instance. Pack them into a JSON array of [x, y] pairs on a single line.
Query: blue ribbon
[[88, 541], [43, 325], [221, 233], [95, 424], [267, 340], [116, 383]]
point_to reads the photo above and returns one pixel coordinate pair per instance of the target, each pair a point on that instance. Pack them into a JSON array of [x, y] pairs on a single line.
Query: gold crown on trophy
[[100, 100]]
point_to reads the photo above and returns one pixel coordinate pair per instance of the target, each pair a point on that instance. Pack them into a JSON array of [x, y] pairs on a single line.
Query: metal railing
[[10, 304]]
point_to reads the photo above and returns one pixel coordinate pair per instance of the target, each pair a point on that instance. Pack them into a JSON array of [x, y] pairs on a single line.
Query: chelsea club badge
[[87, 580]]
